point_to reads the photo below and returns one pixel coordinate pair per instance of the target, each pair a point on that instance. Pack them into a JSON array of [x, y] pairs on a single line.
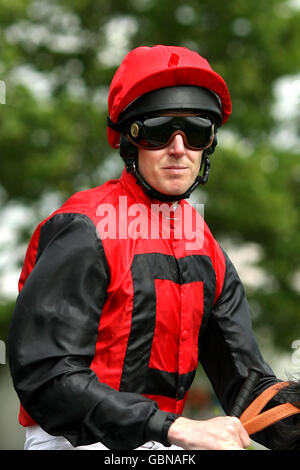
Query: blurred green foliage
[[57, 60]]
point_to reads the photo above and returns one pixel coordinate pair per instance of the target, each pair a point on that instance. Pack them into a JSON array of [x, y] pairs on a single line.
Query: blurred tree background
[[57, 59]]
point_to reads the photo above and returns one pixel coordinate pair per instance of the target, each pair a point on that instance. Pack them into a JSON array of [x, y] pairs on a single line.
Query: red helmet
[[145, 69]]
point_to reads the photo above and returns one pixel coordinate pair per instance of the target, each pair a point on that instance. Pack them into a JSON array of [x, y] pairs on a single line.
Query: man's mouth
[[174, 167]]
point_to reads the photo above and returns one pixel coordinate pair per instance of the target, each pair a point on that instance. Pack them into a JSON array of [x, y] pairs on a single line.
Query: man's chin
[[175, 190]]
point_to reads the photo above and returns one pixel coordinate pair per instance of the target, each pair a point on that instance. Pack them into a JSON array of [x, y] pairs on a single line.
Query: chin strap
[[153, 193]]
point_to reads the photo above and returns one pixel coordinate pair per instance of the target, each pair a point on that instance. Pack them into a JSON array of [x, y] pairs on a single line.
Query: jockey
[[124, 289]]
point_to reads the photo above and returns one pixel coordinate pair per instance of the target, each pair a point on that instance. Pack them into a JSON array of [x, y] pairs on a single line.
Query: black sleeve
[[52, 342], [228, 348]]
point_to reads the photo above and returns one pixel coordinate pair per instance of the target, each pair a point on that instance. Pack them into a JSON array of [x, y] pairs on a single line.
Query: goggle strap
[[113, 125]]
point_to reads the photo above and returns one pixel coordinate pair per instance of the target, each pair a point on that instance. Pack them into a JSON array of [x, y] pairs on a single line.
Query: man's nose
[[177, 146]]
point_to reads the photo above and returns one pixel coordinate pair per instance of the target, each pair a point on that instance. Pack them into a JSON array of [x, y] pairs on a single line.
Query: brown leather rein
[[254, 421]]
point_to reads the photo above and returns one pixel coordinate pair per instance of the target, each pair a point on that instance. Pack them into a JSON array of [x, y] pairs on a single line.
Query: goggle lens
[[157, 132]]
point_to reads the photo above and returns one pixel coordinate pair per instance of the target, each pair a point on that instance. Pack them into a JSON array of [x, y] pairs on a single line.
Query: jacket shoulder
[[79, 209], [86, 202]]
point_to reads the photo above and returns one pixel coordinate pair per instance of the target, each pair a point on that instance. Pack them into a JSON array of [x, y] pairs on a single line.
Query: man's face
[[172, 169]]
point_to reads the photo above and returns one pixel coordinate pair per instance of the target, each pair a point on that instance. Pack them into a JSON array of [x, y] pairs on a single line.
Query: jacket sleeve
[[228, 348], [52, 342]]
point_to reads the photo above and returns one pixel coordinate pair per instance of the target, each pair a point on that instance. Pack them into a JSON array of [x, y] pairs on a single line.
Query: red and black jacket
[[108, 331]]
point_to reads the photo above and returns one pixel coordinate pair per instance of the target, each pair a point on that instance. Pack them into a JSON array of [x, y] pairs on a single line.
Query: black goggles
[[157, 132]]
